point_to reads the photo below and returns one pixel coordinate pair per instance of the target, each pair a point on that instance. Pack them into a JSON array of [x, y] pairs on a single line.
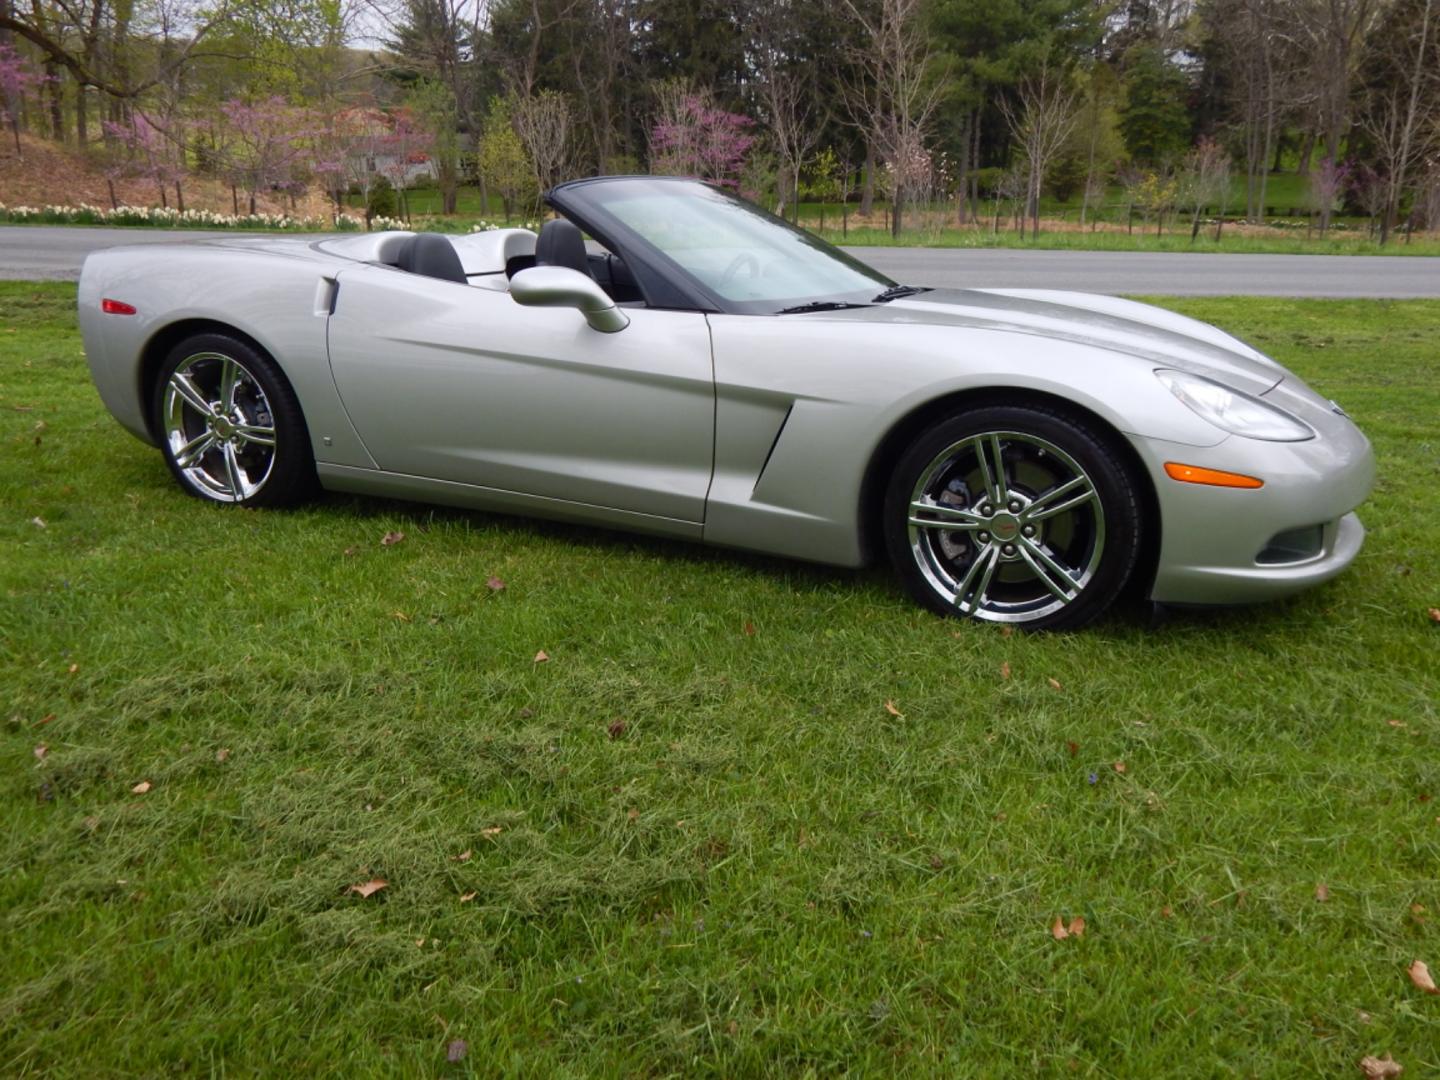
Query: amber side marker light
[[116, 307], [1194, 474]]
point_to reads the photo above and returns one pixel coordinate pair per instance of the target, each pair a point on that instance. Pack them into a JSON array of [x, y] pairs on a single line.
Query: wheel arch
[[893, 444], [153, 354]]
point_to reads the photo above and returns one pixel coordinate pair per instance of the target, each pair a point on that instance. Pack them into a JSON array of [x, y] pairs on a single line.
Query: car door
[[460, 383]]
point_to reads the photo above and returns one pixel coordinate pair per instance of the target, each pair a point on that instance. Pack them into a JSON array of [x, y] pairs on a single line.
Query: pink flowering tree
[[405, 146], [269, 147], [144, 152], [694, 137], [17, 76]]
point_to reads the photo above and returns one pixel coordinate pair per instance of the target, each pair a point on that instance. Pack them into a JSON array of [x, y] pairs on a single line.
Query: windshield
[[747, 260]]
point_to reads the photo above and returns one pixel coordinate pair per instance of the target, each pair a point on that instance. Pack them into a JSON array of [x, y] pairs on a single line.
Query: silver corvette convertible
[[668, 358]]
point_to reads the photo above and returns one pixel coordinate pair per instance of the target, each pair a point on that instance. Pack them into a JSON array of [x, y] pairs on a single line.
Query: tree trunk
[[53, 97], [179, 196], [234, 201], [867, 188], [82, 119], [114, 202], [1307, 151]]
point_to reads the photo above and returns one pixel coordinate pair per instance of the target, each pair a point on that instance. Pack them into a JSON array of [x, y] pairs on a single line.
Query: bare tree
[[1204, 179], [1040, 122], [1400, 116], [786, 90], [1327, 185], [889, 95], [544, 123], [1328, 35]]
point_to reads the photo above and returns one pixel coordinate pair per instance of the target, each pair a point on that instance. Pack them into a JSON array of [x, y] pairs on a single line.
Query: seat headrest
[[561, 244], [432, 255]]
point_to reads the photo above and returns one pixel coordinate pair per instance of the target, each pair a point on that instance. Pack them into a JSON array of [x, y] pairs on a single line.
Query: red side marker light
[[116, 307]]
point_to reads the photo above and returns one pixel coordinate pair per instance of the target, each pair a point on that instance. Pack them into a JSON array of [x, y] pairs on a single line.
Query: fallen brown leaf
[[1434, 612], [1420, 975], [465, 898], [1077, 926], [390, 539], [891, 708], [46, 719], [399, 616], [749, 628], [1396, 723], [39, 523], [541, 656], [464, 856], [1119, 766], [494, 830], [1005, 669], [1385, 1068], [1073, 747], [1322, 892], [1057, 929], [633, 814], [456, 1050], [494, 584], [616, 729], [141, 788], [368, 888], [1054, 684], [222, 755], [72, 669], [40, 751], [1166, 911]]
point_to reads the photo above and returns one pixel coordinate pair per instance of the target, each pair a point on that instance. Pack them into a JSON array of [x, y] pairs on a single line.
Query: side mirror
[[559, 286]]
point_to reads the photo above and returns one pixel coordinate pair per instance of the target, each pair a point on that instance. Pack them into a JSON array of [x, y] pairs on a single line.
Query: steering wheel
[[745, 258]]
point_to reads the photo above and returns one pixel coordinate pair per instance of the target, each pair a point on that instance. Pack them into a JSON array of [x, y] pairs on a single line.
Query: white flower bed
[[85, 214]]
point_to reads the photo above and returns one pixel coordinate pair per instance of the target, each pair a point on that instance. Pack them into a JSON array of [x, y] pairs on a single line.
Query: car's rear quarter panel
[[277, 296]]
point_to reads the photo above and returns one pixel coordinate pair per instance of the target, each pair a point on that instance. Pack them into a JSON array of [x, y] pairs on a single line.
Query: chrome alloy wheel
[[219, 427], [1006, 526]]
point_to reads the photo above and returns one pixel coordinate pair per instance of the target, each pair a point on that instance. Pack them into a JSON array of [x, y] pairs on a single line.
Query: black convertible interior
[[560, 243]]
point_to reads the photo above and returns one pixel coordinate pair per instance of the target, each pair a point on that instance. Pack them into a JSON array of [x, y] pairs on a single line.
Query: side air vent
[[1293, 546]]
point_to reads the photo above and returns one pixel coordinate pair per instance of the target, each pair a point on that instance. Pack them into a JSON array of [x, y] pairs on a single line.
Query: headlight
[[1232, 411]]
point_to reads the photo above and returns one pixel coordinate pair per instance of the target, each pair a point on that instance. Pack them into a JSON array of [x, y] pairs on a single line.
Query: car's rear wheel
[[1014, 514], [230, 424]]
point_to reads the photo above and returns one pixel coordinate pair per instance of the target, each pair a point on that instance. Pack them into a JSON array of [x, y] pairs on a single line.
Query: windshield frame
[[666, 282]]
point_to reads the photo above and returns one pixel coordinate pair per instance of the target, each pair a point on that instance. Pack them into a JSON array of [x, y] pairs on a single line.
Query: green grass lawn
[[695, 840]]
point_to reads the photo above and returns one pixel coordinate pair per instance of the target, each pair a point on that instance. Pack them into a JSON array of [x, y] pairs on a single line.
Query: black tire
[[1052, 553], [221, 454]]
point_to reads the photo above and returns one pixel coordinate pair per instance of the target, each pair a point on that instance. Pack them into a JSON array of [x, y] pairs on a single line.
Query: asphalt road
[[30, 252]]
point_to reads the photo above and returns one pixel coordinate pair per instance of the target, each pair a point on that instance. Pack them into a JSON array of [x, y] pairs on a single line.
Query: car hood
[[1106, 322]]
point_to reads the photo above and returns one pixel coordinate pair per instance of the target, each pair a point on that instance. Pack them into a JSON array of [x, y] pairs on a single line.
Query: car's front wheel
[[231, 426], [1014, 514]]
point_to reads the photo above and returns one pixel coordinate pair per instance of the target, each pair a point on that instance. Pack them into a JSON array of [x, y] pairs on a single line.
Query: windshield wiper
[[819, 305], [897, 291]]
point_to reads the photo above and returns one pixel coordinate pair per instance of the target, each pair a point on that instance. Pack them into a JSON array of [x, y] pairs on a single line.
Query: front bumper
[[1212, 538]]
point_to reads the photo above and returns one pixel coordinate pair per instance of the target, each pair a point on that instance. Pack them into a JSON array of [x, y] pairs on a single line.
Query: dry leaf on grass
[[1119, 766], [1322, 892], [1166, 911], [1420, 975], [1073, 747], [1005, 669], [141, 788], [749, 628], [1380, 1068], [222, 755], [616, 729], [633, 814], [46, 719], [1434, 612], [399, 616], [891, 708], [1057, 929], [368, 888], [494, 584], [494, 830], [465, 898], [390, 539], [72, 669], [40, 751], [464, 856], [39, 523], [1054, 684], [541, 657], [1077, 926], [456, 1050]]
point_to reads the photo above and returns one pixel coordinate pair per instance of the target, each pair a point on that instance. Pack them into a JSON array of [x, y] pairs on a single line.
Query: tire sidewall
[[1113, 481]]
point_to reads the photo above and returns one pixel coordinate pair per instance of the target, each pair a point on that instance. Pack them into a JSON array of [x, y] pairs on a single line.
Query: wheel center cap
[[223, 427], [1006, 527]]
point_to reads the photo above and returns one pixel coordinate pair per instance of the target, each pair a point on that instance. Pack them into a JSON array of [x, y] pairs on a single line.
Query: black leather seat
[[561, 244], [432, 255]]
